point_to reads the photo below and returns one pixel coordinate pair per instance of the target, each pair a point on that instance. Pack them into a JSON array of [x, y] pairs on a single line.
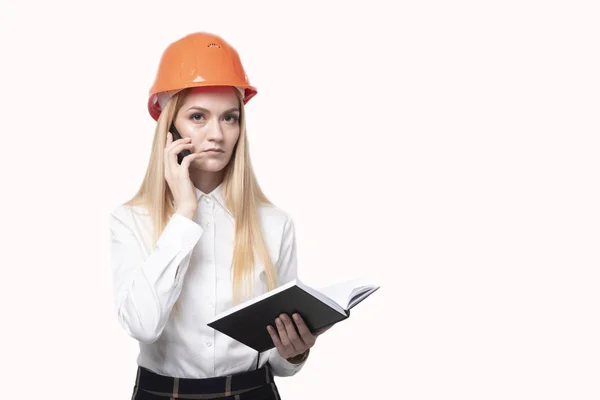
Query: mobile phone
[[177, 136]]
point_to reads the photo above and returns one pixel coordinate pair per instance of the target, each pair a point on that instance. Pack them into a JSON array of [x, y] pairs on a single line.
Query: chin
[[210, 165]]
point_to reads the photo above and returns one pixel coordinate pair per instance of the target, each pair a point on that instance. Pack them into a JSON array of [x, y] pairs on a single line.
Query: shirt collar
[[216, 195]]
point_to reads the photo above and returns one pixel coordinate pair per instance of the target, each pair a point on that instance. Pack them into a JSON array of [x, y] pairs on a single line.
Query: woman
[[200, 236]]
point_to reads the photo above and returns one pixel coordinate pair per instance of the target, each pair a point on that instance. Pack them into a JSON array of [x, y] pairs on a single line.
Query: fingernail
[[278, 321], [269, 328], [296, 317]]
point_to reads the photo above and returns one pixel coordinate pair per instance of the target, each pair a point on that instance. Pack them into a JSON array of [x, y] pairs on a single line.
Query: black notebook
[[247, 322]]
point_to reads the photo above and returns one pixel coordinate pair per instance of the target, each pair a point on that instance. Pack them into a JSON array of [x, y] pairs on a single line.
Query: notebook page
[[342, 292], [360, 295], [322, 297]]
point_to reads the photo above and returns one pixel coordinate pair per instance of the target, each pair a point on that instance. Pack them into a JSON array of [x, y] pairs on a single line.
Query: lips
[[213, 151]]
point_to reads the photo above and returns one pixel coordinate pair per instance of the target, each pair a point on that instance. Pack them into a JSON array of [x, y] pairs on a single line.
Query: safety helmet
[[198, 59]]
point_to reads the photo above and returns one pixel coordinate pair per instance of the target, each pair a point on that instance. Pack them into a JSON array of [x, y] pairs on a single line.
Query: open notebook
[[319, 308]]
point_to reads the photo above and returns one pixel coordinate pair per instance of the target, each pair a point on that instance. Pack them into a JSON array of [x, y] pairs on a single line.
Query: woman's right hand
[[178, 176]]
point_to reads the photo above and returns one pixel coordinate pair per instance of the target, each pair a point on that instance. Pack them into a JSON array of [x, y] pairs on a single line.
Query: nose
[[215, 131]]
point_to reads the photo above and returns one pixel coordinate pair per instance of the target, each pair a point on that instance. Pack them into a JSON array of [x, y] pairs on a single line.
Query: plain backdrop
[[447, 151]]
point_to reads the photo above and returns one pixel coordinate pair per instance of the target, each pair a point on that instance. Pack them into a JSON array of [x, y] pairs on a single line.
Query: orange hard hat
[[198, 59]]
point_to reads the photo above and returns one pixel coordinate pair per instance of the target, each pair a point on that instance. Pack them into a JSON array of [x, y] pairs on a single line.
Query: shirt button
[[206, 199], [208, 343], [208, 223]]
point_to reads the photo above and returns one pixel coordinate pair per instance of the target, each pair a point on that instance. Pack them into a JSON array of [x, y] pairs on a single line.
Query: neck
[[206, 182]]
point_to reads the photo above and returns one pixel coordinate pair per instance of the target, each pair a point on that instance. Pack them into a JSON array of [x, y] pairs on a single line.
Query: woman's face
[[210, 116]]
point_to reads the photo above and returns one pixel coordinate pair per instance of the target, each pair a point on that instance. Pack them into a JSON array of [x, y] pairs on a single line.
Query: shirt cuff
[[187, 230], [281, 366]]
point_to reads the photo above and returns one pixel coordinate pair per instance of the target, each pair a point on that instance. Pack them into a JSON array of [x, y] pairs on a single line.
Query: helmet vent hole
[[214, 45]]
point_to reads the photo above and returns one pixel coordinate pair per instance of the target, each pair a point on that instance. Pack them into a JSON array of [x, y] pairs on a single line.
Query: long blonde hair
[[242, 196]]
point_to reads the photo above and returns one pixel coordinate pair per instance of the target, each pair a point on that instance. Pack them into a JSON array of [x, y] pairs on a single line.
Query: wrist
[[186, 212], [300, 358]]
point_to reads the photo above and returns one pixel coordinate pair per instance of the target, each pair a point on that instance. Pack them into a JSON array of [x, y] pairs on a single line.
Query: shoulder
[[273, 214], [275, 220]]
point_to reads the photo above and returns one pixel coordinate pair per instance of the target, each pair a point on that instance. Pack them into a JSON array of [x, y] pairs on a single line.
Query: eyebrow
[[235, 109]]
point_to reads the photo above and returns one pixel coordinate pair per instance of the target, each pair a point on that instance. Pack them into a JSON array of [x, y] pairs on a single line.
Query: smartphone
[[177, 136]]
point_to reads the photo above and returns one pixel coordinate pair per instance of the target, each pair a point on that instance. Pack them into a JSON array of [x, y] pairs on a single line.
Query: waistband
[[189, 388]]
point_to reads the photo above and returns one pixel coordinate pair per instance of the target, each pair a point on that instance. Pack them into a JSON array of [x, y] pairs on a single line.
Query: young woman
[[200, 236]]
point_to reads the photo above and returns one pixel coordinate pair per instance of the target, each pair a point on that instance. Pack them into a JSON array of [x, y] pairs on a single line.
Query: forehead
[[211, 97]]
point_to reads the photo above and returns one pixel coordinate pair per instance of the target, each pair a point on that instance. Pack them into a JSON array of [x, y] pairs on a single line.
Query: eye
[[196, 116], [231, 118]]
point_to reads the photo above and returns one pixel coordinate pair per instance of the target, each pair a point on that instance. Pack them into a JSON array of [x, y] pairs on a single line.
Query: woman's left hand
[[289, 341]]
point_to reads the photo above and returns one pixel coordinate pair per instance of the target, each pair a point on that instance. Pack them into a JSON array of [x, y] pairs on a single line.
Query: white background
[[445, 150]]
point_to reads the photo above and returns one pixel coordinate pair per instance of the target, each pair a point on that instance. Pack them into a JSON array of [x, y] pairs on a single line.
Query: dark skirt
[[251, 385]]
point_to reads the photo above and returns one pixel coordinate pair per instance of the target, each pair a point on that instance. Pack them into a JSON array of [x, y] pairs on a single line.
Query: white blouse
[[191, 262]]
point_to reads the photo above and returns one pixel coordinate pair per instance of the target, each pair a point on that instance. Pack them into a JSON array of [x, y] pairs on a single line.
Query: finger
[[177, 146], [172, 143], [285, 340], [292, 334], [169, 157], [305, 333], [275, 338], [187, 160], [174, 150]]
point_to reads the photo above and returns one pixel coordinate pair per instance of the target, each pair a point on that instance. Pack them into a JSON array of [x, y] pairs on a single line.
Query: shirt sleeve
[[146, 286], [287, 268]]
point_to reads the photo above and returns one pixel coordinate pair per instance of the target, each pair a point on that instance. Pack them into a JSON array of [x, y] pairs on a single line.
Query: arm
[[287, 269], [146, 287]]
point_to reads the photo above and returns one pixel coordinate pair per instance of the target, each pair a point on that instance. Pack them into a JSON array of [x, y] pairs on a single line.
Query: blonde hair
[[241, 192]]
